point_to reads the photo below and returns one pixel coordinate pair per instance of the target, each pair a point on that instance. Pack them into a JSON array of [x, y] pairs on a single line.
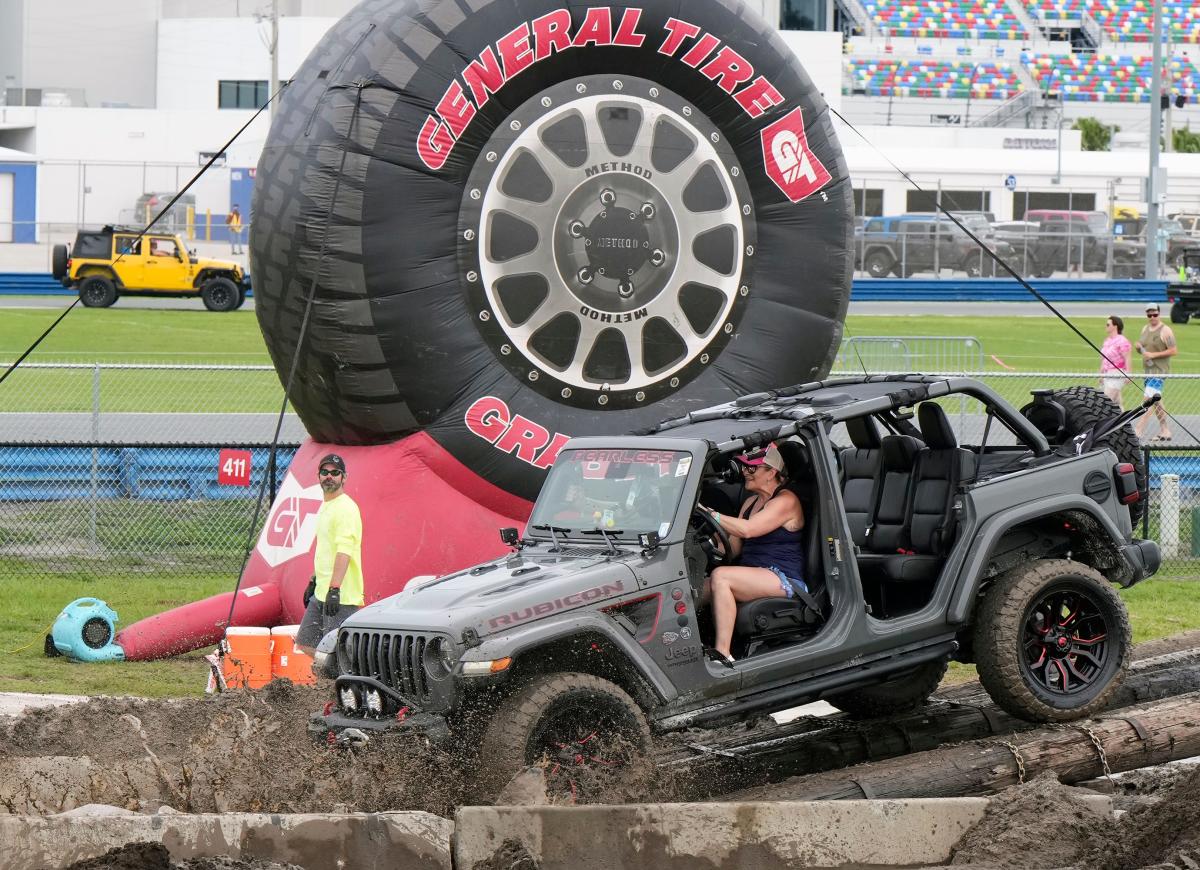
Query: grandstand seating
[[1126, 20], [948, 19], [1107, 78], [933, 78]]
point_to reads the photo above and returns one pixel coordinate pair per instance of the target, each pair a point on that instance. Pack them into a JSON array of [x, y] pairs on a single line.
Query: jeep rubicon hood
[[506, 592]]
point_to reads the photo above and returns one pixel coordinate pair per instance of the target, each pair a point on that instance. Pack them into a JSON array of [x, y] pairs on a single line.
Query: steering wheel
[[702, 521]]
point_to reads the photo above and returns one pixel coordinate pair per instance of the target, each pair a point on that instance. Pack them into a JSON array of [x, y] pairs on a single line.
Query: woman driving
[[766, 538]]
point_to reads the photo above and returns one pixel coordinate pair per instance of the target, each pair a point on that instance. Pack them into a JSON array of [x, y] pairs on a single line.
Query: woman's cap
[[770, 457]]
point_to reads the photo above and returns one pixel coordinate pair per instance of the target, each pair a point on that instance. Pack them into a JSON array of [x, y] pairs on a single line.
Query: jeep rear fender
[[587, 628], [984, 544]]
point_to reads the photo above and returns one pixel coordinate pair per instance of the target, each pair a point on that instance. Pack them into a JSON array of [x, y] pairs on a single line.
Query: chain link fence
[[1173, 515], [115, 470], [120, 470]]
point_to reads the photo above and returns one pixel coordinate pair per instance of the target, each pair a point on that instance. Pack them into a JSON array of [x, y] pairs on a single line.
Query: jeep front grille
[[392, 657]]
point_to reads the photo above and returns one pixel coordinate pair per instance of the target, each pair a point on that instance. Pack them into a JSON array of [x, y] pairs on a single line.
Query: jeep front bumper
[[396, 714]]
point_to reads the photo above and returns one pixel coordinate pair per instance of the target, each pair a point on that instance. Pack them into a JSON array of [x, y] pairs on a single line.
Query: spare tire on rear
[[1084, 407], [58, 262], [588, 219]]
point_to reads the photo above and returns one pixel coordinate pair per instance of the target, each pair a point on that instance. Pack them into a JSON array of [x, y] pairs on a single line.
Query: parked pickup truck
[[903, 245], [1052, 241]]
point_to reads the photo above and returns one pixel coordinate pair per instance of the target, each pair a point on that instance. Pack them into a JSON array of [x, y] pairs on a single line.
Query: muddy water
[[154, 856]]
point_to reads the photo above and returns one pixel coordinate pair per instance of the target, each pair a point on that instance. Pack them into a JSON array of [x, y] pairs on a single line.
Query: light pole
[[1155, 131]]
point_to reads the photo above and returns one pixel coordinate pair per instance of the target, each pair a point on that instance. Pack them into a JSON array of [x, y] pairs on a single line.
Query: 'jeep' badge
[[789, 163]]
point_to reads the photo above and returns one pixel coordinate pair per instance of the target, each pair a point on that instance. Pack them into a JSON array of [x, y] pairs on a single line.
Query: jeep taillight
[[1126, 480]]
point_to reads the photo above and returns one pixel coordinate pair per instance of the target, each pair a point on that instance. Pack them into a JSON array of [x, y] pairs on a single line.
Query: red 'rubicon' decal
[[533, 41], [491, 419]]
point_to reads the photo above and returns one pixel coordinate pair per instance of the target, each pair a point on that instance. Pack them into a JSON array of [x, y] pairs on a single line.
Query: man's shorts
[[316, 624], [1154, 387]]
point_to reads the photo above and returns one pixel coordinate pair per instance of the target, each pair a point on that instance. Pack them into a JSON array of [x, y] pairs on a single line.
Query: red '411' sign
[[233, 468]]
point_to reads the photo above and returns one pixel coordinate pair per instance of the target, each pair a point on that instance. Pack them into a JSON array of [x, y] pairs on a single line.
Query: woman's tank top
[[777, 549]]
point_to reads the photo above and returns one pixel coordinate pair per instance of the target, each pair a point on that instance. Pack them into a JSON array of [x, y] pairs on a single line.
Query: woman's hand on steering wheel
[[704, 519]]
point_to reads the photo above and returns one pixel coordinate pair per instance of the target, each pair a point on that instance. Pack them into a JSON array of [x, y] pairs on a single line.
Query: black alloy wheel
[[97, 292], [1065, 644]]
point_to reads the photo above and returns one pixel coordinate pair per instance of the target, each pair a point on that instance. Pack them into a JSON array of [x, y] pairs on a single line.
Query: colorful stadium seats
[[1106, 78], [932, 78], [948, 19], [1126, 20]]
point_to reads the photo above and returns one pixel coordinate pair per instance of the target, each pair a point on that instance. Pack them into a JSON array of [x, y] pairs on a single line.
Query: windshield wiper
[[552, 529], [612, 548]]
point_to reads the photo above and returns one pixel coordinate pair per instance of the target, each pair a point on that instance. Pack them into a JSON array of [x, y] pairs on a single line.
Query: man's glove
[[310, 590], [333, 600]]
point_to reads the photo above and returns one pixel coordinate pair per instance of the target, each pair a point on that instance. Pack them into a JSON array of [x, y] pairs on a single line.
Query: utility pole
[[273, 85], [1152, 192], [1168, 132]]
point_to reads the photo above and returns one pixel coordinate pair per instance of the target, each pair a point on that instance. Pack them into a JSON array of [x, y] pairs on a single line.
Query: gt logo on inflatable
[[292, 526], [491, 419], [789, 163]]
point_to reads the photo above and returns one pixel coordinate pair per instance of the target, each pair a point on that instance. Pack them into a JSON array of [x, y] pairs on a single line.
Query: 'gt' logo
[[288, 520], [788, 161], [291, 527]]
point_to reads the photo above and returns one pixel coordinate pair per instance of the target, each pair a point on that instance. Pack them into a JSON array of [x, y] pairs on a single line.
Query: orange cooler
[[286, 660], [247, 660]]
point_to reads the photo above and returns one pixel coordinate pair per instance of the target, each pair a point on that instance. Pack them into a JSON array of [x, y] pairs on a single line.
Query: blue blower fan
[[84, 632]]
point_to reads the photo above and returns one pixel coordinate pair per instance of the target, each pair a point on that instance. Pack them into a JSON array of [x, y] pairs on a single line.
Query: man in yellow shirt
[[337, 587]]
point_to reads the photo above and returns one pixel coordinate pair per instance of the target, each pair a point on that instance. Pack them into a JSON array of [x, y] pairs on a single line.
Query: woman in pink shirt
[[1114, 364]]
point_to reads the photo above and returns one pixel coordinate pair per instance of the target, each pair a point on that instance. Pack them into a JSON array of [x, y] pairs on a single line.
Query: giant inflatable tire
[[534, 222]]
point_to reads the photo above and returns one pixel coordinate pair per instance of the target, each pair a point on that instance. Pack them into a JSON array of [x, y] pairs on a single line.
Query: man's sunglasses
[[330, 472], [1152, 314]]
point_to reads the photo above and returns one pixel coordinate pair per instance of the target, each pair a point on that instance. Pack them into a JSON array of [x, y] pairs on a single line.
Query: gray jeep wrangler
[[919, 550]]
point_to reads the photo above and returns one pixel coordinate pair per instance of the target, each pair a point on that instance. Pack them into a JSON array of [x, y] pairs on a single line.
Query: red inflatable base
[[424, 513]]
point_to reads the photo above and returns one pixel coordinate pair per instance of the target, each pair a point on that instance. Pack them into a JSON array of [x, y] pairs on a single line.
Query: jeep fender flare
[[962, 599], [530, 638], [97, 271]]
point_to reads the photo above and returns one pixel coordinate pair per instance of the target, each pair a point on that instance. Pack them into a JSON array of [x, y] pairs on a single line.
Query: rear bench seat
[[913, 526]]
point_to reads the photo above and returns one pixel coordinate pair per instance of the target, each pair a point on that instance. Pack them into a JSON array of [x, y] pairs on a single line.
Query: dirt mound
[[1041, 824], [239, 751], [154, 856], [1165, 833]]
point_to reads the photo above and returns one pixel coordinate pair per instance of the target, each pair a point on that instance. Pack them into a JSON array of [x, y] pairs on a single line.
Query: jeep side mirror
[[510, 536], [649, 540]]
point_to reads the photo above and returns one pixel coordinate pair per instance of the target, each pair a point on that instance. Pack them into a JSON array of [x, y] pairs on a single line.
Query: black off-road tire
[[58, 262], [973, 266], [1000, 622], [901, 693], [97, 291], [512, 738], [1179, 314], [220, 294], [878, 264], [1086, 406]]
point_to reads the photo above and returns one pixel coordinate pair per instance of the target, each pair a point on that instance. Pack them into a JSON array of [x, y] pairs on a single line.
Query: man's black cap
[[334, 460]]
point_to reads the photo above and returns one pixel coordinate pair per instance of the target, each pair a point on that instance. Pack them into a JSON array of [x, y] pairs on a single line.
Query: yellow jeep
[[104, 264]]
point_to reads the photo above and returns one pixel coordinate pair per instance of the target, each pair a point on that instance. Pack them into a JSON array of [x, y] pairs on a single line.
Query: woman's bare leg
[[731, 584]]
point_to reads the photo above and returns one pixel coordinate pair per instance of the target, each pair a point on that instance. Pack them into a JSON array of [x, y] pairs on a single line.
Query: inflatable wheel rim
[[654, 300]]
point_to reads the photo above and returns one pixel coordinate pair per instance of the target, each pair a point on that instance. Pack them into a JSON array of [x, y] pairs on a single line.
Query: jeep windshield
[[626, 491]]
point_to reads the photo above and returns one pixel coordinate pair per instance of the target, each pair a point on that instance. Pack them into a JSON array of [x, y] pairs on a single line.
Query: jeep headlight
[[348, 698], [439, 658], [325, 656]]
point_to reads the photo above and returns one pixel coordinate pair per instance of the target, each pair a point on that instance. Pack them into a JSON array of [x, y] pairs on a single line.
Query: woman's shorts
[[1154, 387], [1112, 383], [788, 585]]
